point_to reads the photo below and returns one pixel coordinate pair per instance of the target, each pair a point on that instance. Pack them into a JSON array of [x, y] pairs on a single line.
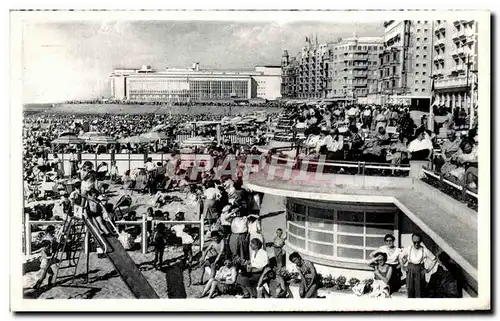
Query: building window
[[425, 56], [424, 73], [416, 81], [418, 56], [424, 65], [416, 73], [425, 47], [423, 89], [423, 81], [418, 47], [417, 65], [416, 89], [418, 30]]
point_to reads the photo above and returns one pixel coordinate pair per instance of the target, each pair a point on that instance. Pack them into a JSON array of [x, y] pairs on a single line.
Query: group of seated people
[[458, 158]]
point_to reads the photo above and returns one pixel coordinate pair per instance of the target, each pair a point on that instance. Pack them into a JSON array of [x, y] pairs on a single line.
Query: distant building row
[[193, 84], [346, 69], [401, 63]]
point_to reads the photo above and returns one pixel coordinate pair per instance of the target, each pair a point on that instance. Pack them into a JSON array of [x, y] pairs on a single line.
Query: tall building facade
[[289, 75], [193, 84], [405, 63], [354, 67], [455, 62], [307, 75]]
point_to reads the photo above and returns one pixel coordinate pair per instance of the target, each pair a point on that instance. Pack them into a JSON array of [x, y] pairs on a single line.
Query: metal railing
[[464, 192], [143, 223], [362, 168]]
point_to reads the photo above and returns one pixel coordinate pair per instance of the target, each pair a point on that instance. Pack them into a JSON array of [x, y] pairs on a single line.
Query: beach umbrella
[[68, 139], [133, 140], [101, 140], [160, 127], [67, 134], [154, 136], [97, 138], [235, 120], [89, 135]]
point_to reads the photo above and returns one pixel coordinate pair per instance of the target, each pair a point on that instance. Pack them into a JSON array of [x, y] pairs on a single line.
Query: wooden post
[[27, 234], [87, 252], [464, 189], [144, 234], [86, 241], [202, 234]]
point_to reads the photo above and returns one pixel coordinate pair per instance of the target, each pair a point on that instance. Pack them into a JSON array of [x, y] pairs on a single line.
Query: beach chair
[[123, 204]]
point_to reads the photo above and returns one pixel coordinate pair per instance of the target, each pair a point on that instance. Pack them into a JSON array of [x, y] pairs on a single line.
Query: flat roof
[[454, 231]]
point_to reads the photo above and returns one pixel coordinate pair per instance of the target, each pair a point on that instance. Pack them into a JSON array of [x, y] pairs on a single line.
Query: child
[[187, 249], [278, 243], [46, 258], [159, 243], [113, 171]]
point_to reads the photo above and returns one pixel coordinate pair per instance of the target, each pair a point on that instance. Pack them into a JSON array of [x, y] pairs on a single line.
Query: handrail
[[352, 164], [450, 183], [96, 234], [142, 222]]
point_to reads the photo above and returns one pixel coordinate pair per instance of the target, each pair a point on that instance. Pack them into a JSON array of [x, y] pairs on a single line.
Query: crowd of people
[[228, 103], [385, 135], [236, 261]]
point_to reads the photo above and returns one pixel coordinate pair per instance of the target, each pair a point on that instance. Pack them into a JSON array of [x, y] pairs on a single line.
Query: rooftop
[[451, 224]]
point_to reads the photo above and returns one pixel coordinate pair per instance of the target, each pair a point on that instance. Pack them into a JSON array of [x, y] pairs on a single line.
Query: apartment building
[[289, 72], [354, 67], [405, 63], [455, 62], [306, 76]]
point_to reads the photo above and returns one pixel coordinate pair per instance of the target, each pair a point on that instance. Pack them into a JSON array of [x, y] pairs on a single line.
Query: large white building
[[193, 84]]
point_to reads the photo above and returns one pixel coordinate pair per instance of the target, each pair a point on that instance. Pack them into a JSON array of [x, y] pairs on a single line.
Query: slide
[[125, 266]]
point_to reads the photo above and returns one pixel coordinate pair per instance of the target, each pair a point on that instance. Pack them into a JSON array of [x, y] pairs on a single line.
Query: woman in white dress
[[393, 253]]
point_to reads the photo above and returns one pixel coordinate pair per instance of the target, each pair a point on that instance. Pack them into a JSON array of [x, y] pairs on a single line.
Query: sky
[[73, 60]]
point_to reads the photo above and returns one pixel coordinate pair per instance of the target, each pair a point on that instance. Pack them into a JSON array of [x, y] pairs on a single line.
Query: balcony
[[439, 57], [461, 34], [440, 27], [360, 85], [361, 51], [439, 43], [459, 68], [450, 83], [360, 67]]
